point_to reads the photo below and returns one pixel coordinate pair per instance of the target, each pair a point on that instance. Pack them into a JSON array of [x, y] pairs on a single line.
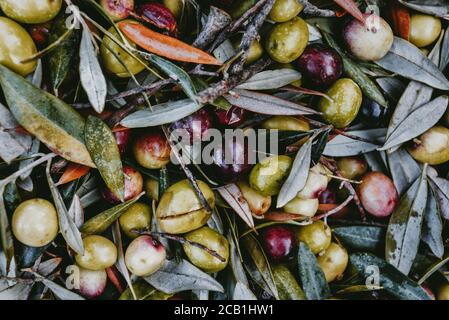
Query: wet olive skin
[[99, 253], [211, 240], [137, 216], [152, 150], [35, 222], [16, 45], [287, 40], [432, 146], [424, 29], [317, 236], [180, 210], [279, 242], [284, 10], [31, 11], [347, 99], [333, 261], [268, 175]]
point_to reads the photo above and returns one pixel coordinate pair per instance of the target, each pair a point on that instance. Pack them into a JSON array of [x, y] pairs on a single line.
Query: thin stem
[[335, 210]]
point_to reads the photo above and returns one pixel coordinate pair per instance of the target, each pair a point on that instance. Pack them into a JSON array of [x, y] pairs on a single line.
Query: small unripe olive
[[432, 146], [443, 292], [268, 175], [303, 207], [316, 182], [211, 240], [99, 253], [317, 236], [255, 50], [424, 29], [144, 256], [175, 6], [31, 11], [35, 222], [286, 123], [137, 216], [257, 202], [152, 188], [333, 261], [352, 167], [92, 283], [284, 10]]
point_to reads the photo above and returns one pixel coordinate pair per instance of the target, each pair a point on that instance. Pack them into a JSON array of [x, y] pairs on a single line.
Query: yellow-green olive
[[144, 256], [16, 45], [344, 103], [432, 146], [284, 10], [352, 167], [286, 123], [110, 51], [175, 6], [303, 207], [241, 7], [443, 292], [180, 210], [152, 188], [99, 253], [257, 202], [212, 240], [31, 11], [137, 216], [333, 262], [287, 40], [316, 182], [255, 50], [35, 222], [268, 175], [424, 29], [317, 236]]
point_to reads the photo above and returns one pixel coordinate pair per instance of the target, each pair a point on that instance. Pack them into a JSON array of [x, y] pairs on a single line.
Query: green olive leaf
[[242, 292], [143, 291], [432, 228], [404, 228], [233, 196], [270, 79], [59, 291], [361, 238], [311, 275], [19, 291], [391, 279], [344, 146], [103, 220], [441, 188], [103, 149], [51, 120], [286, 284], [403, 169]]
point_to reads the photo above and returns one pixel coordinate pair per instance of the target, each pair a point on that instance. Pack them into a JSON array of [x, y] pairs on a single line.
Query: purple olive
[[123, 137], [372, 114], [279, 242], [232, 117], [231, 160], [196, 125], [320, 64], [133, 186]]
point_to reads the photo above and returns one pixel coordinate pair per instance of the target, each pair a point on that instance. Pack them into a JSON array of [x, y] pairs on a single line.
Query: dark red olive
[[320, 65], [372, 114], [378, 194], [122, 136], [133, 186], [152, 150], [158, 15], [196, 125], [279, 242], [40, 33], [232, 117], [328, 200], [232, 160]]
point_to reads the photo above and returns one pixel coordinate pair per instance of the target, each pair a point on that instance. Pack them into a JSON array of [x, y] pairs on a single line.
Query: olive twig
[[216, 22], [335, 210], [313, 10]]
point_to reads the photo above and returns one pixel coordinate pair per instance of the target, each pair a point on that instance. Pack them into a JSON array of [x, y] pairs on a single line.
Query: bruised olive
[[287, 40], [317, 236], [35, 222], [152, 150], [117, 9], [342, 109], [133, 186], [372, 114], [99, 253], [432, 146], [333, 261], [369, 41], [286, 123], [316, 182], [302, 207], [255, 50], [320, 65], [110, 51], [279, 242], [213, 241], [443, 292], [424, 29], [257, 202], [92, 283], [152, 188], [137, 216], [31, 11], [352, 167], [268, 175], [284, 10], [180, 210], [144, 256], [378, 194], [16, 45], [194, 127], [232, 117]]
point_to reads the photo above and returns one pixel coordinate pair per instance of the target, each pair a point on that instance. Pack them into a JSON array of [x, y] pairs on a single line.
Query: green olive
[[110, 51], [346, 99], [35, 222], [16, 45], [316, 182], [257, 202], [317, 236], [287, 40], [352, 167], [432, 146], [303, 207], [99, 253], [443, 292], [241, 7], [175, 6], [180, 210], [268, 175], [31, 11], [212, 240], [286, 123], [284, 10], [424, 29], [152, 188], [137, 216], [255, 50], [333, 261]]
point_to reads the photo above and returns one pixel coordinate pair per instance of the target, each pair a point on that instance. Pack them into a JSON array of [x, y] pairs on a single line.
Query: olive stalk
[[217, 20], [335, 210], [313, 10]]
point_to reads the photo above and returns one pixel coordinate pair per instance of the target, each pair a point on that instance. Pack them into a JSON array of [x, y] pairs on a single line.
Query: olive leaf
[[242, 292], [19, 291], [60, 292], [103, 149], [51, 120], [393, 87], [143, 291], [311, 275], [103, 220], [270, 79], [344, 146], [236, 262], [441, 188], [161, 114], [444, 59], [297, 177], [233, 196], [404, 228], [266, 104], [433, 227], [76, 211], [434, 8], [47, 267], [408, 61], [286, 284], [92, 78], [361, 238], [391, 279], [403, 169], [175, 277]]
